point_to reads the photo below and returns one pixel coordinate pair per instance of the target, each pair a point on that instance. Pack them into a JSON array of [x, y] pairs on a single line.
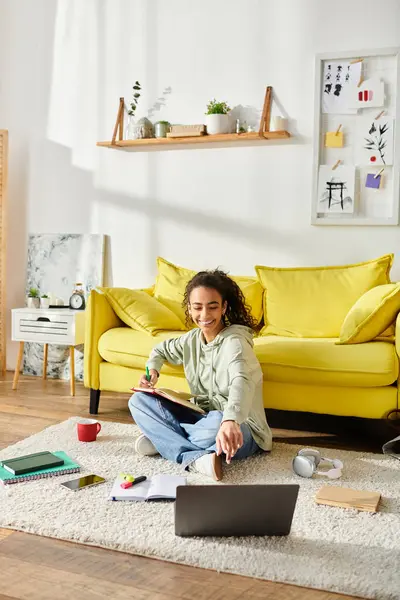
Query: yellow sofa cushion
[[314, 301], [131, 348], [141, 311], [171, 283], [319, 361], [367, 403], [295, 360], [371, 314]]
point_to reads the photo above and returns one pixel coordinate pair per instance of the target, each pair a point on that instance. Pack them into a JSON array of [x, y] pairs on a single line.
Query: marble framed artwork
[[55, 263]]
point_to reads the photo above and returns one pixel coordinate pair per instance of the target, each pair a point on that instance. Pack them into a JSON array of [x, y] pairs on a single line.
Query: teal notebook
[[69, 466]]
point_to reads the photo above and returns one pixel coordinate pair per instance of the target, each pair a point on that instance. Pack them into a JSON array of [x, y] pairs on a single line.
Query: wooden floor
[[38, 568]]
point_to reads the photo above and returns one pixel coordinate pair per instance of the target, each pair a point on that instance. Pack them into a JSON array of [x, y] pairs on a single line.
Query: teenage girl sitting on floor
[[223, 374]]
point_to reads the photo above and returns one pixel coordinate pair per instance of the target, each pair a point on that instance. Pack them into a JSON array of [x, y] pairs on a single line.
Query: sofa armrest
[[397, 335], [99, 318]]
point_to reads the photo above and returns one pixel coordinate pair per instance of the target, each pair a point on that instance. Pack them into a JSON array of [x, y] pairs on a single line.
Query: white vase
[[217, 124], [32, 302], [44, 302], [137, 130], [278, 124]]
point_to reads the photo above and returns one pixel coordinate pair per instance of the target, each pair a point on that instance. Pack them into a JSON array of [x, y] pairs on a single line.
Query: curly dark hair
[[237, 311]]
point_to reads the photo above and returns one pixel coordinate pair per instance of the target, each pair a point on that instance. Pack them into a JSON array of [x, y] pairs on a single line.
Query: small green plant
[[163, 123], [33, 292], [136, 95], [45, 296], [217, 108]]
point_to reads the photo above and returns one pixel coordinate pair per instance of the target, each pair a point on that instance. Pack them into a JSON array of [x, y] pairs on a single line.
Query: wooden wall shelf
[[263, 134], [203, 139]]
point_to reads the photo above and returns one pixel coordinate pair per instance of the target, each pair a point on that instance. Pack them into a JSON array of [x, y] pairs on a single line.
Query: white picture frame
[[370, 207]]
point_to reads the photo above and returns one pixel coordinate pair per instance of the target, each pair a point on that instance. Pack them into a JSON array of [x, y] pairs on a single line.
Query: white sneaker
[[144, 446], [209, 464]]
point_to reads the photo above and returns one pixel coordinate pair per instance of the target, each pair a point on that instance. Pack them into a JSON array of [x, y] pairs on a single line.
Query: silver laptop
[[227, 510]]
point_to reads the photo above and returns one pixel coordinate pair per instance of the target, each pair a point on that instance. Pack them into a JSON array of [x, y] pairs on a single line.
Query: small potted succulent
[[44, 301], [217, 117], [161, 128], [33, 300]]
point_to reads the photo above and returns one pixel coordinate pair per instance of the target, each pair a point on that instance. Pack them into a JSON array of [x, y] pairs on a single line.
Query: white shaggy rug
[[335, 549]]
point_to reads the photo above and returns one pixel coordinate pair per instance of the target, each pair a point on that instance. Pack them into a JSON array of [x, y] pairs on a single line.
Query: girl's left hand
[[229, 439]]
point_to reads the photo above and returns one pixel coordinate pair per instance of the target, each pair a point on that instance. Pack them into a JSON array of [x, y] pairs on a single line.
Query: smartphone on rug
[[83, 482]]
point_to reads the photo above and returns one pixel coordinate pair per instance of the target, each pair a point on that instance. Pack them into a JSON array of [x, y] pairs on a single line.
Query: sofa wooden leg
[[94, 401]]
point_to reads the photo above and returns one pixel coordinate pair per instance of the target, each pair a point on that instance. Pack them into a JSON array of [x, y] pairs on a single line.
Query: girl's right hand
[[153, 379]]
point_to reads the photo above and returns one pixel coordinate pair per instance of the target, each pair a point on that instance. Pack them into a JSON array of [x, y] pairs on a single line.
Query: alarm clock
[[77, 300]]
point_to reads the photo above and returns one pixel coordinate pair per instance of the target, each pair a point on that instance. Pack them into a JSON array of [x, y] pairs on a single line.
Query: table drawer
[[45, 328]]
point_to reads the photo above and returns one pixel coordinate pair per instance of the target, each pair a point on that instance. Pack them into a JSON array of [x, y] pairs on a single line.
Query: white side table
[[48, 326]]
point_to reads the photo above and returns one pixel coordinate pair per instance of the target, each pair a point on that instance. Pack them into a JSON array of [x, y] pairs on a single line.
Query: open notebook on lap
[[227, 510], [182, 398]]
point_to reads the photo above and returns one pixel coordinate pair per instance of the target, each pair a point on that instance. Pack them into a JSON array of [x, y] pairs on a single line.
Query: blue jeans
[[179, 434]]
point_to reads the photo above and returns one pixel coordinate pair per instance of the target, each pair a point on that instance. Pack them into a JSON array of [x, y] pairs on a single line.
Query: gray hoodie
[[222, 375]]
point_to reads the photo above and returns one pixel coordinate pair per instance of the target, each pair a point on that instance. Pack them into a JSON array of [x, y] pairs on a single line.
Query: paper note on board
[[373, 181], [374, 141], [336, 189], [371, 93], [333, 139], [340, 78]]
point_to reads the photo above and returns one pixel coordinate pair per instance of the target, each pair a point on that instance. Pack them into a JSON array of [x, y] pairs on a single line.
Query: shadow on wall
[[75, 118], [160, 103], [84, 98]]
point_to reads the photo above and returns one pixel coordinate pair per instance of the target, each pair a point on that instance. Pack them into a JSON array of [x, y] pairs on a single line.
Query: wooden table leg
[[72, 369], [18, 366], [45, 352]]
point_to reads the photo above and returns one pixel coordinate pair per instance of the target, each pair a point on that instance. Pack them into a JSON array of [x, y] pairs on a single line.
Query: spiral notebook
[[69, 466]]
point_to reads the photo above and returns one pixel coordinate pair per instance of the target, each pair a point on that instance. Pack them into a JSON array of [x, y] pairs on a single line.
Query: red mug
[[88, 430]]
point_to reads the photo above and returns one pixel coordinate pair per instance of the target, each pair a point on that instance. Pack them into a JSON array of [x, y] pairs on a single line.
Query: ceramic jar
[[217, 124]]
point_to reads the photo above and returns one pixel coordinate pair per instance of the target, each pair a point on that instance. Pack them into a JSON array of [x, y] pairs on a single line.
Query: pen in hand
[[148, 376], [149, 379]]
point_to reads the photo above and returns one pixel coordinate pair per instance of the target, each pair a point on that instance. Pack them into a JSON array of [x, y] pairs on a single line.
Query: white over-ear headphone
[[306, 461]]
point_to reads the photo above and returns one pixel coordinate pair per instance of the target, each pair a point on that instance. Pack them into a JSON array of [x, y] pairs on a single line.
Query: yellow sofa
[[312, 373]]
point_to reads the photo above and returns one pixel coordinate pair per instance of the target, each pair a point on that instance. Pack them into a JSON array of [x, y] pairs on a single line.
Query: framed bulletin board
[[356, 138]]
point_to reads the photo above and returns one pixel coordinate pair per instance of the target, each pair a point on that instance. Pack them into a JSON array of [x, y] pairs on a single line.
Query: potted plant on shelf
[[44, 301], [137, 129], [217, 117], [161, 128], [33, 300]]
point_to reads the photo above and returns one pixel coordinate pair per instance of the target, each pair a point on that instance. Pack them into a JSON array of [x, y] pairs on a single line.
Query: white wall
[[199, 207]]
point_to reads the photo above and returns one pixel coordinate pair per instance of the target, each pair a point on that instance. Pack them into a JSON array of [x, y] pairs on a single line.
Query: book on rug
[[31, 462], [68, 466], [159, 487], [333, 495], [182, 398]]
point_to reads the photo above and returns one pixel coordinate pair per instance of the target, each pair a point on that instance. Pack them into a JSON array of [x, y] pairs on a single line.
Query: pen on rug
[[128, 484]]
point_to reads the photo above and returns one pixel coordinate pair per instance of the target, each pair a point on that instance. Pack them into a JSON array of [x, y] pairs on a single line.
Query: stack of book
[[348, 498], [36, 466], [186, 131]]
